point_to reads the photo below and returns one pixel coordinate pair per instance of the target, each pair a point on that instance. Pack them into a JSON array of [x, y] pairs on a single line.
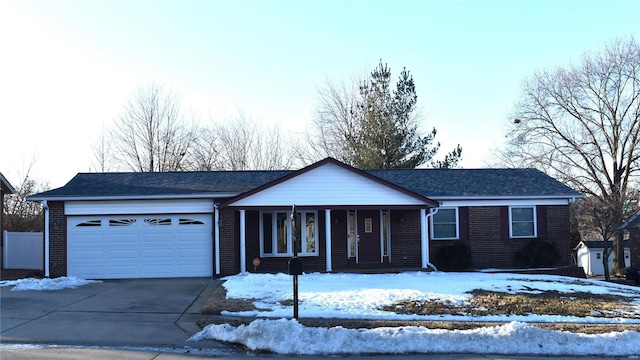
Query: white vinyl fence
[[23, 250]]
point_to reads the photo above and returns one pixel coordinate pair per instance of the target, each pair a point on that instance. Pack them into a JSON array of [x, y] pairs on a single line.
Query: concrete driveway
[[136, 313]]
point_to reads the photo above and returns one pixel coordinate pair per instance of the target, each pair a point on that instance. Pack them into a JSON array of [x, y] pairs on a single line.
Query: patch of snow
[[514, 338], [58, 283]]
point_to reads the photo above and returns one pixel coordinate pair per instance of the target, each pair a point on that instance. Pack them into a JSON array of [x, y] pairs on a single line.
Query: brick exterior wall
[[229, 243], [634, 247], [57, 239], [491, 245], [405, 238]]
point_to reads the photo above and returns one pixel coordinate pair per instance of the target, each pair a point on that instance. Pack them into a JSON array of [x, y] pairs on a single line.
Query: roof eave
[[506, 197]]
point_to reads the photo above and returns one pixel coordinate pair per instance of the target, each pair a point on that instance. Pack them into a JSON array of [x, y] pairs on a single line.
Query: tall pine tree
[[387, 134]]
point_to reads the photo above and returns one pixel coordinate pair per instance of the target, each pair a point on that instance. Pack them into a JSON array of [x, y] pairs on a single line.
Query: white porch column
[[424, 240], [243, 243], [45, 206], [327, 236], [216, 234]]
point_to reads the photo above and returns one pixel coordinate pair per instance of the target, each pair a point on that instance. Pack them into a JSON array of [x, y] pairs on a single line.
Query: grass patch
[[484, 302], [218, 302]]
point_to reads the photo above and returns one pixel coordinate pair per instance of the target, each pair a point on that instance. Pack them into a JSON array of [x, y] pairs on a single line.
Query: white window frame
[[274, 233], [432, 227], [535, 222]]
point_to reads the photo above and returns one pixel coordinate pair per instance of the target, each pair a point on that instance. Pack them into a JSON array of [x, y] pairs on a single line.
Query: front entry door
[[368, 236]]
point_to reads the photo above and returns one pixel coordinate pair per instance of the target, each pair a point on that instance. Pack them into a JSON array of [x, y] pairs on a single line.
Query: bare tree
[[334, 125], [242, 144], [102, 155], [152, 133], [21, 215], [581, 124]]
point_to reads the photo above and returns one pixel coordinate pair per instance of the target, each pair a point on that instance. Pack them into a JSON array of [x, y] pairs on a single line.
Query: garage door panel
[[140, 246], [80, 255], [123, 254]]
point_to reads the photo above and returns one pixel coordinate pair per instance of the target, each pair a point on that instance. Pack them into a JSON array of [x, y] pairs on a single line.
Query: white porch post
[[243, 243], [45, 206], [327, 236], [424, 240], [216, 234]]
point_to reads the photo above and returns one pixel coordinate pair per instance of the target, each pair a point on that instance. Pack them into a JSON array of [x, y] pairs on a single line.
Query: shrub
[[538, 253], [455, 256]]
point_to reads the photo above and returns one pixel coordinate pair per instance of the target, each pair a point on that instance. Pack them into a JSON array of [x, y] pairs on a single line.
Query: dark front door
[[368, 236]]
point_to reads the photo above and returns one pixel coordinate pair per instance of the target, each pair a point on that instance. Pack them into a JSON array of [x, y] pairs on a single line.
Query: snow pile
[[46, 284], [515, 338]]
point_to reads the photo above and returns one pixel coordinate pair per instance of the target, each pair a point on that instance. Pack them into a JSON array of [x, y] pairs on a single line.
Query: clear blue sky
[[67, 67]]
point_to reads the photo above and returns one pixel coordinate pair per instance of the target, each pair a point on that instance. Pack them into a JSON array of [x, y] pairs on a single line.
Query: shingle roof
[[161, 183], [450, 183], [431, 183], [599, 244]]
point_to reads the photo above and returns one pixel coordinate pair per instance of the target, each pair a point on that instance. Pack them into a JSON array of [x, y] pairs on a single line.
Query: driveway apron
[[139, 312]]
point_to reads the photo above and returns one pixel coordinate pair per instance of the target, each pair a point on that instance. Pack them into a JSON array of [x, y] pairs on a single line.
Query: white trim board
[[186, 206]]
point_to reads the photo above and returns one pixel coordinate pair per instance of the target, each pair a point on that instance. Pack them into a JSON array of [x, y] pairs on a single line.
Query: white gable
[[328, 184]]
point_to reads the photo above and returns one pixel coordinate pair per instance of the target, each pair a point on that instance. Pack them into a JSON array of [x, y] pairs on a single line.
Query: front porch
[[355, 239]]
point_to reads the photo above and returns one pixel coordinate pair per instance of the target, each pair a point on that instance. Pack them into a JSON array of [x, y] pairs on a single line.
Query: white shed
[[589, 255]]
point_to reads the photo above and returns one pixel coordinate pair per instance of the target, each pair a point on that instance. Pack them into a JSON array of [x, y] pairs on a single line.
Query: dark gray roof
[[435, 183], [451, 183], [5, 186], [599, 244], [144, 184], [633, 221]]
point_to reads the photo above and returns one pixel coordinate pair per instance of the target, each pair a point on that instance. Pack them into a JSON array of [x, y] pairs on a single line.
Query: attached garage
[[139, 246], [140, 239]]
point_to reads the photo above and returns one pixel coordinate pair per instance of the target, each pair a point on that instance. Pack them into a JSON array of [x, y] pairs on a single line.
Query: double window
[[444, 224], [522, 221], [276, 233]]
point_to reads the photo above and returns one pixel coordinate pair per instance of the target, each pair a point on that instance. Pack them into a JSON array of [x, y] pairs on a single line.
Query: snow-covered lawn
[[358, 296]]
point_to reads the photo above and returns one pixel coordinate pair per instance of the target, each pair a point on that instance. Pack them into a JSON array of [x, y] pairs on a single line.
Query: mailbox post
[[295, 269]]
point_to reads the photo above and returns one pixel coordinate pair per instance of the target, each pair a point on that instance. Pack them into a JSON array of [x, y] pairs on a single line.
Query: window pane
[[267, 233], [281, 226], [522, 229], [445, 216], [441, 231], [522, 214], [310, 233]]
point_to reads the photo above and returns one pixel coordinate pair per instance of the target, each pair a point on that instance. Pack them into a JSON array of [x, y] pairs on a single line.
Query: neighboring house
[[632, 225], [5, 189], [589, 255], [129, 225]]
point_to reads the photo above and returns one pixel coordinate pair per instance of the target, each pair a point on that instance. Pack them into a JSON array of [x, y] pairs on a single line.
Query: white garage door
[[139, 246]]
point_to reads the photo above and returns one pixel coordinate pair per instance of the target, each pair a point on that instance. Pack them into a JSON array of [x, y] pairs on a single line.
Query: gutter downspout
[[45, 206], [425, 249], [216, 234]]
